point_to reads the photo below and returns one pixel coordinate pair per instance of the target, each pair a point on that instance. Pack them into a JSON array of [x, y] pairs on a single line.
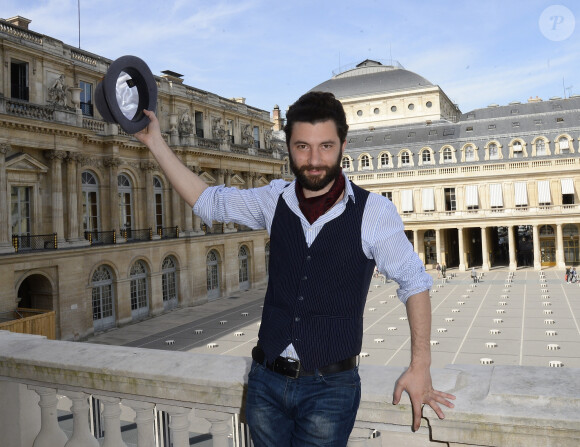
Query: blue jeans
[[309, 411]]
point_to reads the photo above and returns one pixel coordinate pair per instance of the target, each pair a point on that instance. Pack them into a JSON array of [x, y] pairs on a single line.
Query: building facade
[[90, 227], [496, 186]]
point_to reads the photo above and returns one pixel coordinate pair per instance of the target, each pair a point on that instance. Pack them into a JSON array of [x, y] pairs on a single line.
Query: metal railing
[[34, 242], [168, 232], [131, 235], [101, 237]]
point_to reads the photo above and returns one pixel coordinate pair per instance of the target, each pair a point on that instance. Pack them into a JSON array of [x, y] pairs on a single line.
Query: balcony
[[492, 213], [34, 242], [495, 406]]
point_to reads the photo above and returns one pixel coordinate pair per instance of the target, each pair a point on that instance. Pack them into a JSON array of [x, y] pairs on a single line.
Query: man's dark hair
[[316, 107]]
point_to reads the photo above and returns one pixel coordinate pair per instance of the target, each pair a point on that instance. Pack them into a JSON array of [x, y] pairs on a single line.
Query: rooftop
[[372, 77]]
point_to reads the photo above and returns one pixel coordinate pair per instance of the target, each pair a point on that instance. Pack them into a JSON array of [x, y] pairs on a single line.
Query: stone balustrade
[[496, 405]]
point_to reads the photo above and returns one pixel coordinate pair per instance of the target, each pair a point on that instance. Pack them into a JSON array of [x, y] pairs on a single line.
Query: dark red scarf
[[314, 207]]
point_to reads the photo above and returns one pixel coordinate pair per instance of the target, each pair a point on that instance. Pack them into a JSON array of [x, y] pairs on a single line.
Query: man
[[326, 236]]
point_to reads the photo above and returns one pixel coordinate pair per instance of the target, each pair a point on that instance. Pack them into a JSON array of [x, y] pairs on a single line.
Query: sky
[[271, 52]]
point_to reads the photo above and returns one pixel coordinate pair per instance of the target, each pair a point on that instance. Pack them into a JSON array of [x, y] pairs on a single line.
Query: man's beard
[[316, 183]]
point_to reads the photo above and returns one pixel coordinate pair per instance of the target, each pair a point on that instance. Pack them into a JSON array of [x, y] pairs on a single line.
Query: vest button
[[300, 298], [304, 278], [296, 319], [308, 258]]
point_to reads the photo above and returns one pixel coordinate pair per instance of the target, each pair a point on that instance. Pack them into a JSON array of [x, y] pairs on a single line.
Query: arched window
[[346, 163], [90, 192], [405, 158], [569, 230], [169, 282], [365, 162], [470, 153], [125, 190], [158, 193], [139, 290], [546, 230], [564, 145], [493, 151], [244, 269], [212, 275], [103, 299], [384, 160], [517, 150], [447, 155], [426, 156], [540, 147]]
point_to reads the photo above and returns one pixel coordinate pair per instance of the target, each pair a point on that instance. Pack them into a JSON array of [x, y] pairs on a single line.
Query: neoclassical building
[[496, 186], [90, 226]]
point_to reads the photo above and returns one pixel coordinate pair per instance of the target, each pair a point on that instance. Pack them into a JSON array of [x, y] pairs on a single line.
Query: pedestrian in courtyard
[[573, 275], [473, 275], [444, 270], [567, 275], [438, 267], [326, 236]]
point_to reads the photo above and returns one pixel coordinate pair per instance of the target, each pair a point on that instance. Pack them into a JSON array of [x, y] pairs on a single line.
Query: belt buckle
[[292, 359]]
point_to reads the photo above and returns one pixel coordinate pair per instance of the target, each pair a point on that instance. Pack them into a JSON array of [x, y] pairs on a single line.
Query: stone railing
[[501, 213], [496, 405], [366, 178]]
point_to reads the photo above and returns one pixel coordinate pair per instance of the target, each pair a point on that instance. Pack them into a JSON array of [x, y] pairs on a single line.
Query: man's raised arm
[[186, 183]]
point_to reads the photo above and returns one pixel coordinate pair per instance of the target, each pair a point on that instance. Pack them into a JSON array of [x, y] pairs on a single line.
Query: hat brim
[[106, 93]]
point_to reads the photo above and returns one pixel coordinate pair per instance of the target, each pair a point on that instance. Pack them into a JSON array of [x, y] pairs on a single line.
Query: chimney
[[278, 120], [19, 21]]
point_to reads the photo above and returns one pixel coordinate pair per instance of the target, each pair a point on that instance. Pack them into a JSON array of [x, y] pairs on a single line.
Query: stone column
[[82, 160], [512, 248], [230, 228], [462, 266], [537, 258], [56, 158], [148, 167], [73, 186], [249, 180], [5, 242], [438, 245], [560, 261], [255, 180], [196, 219], [113, 164], [484, 250], [416, 241], [176, 203]]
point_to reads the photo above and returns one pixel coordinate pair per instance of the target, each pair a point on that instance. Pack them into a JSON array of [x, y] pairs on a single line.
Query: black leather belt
[[293, 368]]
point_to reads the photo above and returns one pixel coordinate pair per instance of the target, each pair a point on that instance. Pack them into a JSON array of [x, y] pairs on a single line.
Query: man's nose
[[314, 157]]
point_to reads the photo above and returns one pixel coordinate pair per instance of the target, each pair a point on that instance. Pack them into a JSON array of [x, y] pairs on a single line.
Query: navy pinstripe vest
[[316, 295]]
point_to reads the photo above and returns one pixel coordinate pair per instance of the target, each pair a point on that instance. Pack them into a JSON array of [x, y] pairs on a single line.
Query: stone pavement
[[531, 320]]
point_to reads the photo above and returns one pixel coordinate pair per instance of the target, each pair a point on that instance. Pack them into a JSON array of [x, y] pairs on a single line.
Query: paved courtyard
[[530, 318]]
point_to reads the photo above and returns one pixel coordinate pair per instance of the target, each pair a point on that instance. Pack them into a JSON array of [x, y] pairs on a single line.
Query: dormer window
[[447, 155], [469, 153], [493, 151]]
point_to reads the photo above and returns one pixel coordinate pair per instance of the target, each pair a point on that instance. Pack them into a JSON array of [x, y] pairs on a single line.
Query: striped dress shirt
[[382, 235]]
